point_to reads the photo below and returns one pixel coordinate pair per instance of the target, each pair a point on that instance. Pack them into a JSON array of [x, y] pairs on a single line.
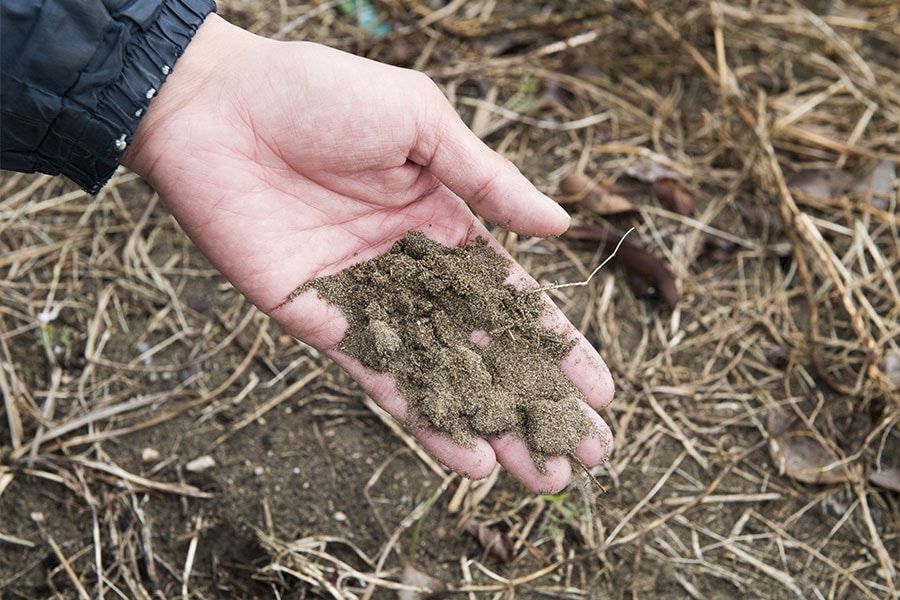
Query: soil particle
[[467, 351]]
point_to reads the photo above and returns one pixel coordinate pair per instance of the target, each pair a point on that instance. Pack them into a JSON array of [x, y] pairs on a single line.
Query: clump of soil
[[467, 351]]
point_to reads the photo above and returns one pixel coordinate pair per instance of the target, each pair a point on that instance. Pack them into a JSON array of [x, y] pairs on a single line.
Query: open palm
[[288, 161]]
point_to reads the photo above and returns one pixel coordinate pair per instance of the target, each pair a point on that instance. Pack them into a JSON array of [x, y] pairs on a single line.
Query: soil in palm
[[467, 350]]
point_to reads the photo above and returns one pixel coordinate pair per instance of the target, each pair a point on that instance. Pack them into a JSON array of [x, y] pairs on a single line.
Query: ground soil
[[125, 357]]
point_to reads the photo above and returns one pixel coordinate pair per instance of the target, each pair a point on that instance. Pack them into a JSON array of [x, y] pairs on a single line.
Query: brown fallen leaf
[[497, 543], [633, 257], [672, 196], [593, 195], [799, 454], [668, 186], [888, 479], [718, 249]]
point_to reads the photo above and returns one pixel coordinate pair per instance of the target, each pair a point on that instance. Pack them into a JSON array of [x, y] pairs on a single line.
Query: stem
[[418, 529]]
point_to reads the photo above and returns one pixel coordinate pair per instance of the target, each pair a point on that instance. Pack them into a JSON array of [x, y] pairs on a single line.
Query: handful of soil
[[467, 351]]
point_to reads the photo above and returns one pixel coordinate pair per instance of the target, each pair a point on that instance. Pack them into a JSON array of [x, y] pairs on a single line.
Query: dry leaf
[[430, 586], [820, 183], [799, 454], [888, 479], [890, 366], [672, 196], [880, 179], [592, 195], [635, 259], [497, 543], [718, 249], [650, 172]]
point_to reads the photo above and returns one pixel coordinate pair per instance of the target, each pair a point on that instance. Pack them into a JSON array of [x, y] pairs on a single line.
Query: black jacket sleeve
[[77, 75]]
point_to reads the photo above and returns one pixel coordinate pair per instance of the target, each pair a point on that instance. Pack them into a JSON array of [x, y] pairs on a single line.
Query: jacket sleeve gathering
[[77, 76]]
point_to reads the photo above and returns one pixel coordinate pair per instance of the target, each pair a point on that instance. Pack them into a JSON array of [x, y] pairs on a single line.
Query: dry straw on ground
[[124, 356]]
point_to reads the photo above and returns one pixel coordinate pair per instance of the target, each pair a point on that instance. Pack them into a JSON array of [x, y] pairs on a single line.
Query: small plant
[[55, 339], [366, 16], [414, 542], [526, 99], [562, 510]]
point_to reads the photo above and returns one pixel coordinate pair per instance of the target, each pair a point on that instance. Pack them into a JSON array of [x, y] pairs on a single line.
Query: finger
[[587, 372], [475, 463], [489, 183], [595, 447], [513, 454]]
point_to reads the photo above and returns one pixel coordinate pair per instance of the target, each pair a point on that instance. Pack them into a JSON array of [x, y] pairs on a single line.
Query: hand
[[285, 161]]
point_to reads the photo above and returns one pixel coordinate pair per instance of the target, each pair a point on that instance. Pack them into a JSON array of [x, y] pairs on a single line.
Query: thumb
[[489, 183]]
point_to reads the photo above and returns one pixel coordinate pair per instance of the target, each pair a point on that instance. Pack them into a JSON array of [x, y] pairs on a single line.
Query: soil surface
[[161, 438], [468, 351]]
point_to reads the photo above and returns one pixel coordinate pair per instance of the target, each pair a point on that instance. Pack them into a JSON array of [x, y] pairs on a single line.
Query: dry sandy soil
[[161, 438]]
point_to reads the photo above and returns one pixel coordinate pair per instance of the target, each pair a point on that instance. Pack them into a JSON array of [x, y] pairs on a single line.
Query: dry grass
[[117, 338]]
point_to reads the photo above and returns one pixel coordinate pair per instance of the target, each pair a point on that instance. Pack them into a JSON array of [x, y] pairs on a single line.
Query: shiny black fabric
[[76, 76]]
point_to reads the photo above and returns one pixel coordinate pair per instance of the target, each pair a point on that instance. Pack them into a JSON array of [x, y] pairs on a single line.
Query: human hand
[[285, 161]]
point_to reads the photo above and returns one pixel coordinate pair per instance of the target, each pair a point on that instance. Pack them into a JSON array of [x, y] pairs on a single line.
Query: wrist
[[191, 75]]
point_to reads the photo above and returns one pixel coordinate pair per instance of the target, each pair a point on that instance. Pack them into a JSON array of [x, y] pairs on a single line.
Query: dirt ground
[[161, 438]]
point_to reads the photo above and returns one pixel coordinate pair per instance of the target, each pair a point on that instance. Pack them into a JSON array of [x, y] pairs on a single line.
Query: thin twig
[[559, 286]]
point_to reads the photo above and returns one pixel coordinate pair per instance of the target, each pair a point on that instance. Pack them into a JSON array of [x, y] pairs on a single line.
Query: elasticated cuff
[[93, 155]]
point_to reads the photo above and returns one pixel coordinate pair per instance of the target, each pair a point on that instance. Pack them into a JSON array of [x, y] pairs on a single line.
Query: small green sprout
[[562, 510], [52, 338], [526, 99]]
